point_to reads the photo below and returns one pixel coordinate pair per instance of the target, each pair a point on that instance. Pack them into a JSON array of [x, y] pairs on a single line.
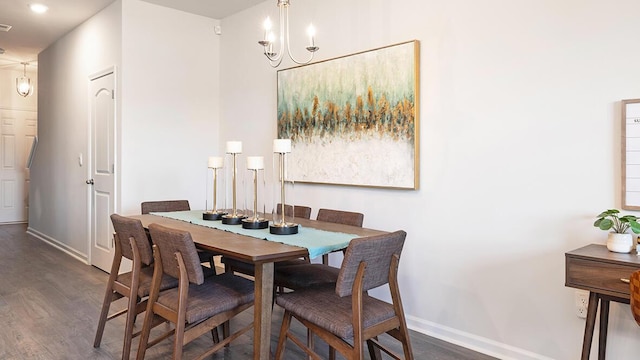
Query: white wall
[[167, 99], [170, 112], [520, 128], [58, 193]]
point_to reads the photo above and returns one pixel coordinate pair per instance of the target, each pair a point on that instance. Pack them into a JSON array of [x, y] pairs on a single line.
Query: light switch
[[80, 159]]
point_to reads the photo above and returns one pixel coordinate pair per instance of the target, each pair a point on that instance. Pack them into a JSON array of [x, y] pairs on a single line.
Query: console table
[[605, 275]]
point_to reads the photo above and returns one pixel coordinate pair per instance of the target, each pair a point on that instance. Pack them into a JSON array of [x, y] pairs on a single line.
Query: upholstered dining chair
[[346, 317], [164, 206], [199, 304], [634, 291], [297, 275], [339, 217], [176, 205], [298, 211], [131, 242]]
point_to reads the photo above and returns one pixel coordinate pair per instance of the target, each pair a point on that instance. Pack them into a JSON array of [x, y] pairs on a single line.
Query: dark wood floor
[[49, 306]]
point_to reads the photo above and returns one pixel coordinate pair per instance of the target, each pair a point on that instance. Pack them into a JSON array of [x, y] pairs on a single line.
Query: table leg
[[592, 309], [262, 311], [604, 322]]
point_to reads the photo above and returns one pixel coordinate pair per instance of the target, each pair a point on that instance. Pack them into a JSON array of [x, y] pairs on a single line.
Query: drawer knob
[[625, 280]]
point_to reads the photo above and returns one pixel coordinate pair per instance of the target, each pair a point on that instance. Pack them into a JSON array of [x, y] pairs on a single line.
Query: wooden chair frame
[[396, 326], [184, 334], [116, 290]]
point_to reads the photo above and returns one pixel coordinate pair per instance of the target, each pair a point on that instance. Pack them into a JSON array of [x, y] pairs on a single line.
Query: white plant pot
[[620, 243]]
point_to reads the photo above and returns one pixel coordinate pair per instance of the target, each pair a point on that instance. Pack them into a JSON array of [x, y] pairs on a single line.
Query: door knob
[[90, 181]]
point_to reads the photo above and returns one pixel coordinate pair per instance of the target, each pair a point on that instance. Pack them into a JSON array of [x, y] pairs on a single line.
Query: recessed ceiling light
[[39, 8]]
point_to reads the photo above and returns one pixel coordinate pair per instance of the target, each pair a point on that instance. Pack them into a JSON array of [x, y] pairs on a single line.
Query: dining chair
[[345, 316], [339, 217], [297, 275], [199, 304], [634, 291], [298, 211], [164, 206], [131, 242], [147, 207]]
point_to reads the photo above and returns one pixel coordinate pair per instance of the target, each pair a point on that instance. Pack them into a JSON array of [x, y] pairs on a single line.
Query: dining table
[[261, 249]]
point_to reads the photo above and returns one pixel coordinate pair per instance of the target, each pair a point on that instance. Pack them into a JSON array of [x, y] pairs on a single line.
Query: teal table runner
[[317, 242]]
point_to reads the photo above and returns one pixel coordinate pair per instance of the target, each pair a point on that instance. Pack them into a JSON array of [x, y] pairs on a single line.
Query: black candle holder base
[[286, 229], [255, 223], [213, 215], [232, 220]]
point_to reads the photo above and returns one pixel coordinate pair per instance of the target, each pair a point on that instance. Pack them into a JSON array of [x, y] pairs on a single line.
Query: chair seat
[[305, 275], [325, 308], [217, 294]]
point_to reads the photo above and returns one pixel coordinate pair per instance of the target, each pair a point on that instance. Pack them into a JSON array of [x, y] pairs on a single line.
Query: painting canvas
[[353, 120]]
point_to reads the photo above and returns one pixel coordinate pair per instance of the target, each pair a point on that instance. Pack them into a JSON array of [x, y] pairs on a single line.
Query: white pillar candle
[[255, 162], [234, 147], [282, 145], [215, 162]]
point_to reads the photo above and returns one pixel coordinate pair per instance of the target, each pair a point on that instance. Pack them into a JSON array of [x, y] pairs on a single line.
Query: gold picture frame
[[354, 120]]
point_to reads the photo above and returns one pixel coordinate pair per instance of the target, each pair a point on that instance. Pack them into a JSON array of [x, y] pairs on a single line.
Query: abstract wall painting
[[353, 120]]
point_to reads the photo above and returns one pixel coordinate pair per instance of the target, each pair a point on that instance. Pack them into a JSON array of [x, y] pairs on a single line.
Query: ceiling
[[32, 33]]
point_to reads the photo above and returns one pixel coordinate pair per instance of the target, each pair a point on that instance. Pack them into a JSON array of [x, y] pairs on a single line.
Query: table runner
[[317, 242]]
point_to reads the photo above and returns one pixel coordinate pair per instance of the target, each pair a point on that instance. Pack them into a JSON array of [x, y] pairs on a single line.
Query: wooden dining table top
[[247, 248]]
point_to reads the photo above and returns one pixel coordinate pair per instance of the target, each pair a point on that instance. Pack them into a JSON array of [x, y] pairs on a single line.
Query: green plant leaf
[[605, 224]]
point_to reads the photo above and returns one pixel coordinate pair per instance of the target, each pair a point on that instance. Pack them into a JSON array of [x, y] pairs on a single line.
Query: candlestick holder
[[234, 218], [253, 220], [216, 211], [281, 225]]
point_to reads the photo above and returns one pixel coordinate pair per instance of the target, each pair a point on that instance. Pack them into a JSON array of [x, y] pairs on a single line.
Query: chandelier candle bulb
[[215, 162], [282, 146], [267, 28], [311, 31], [234, 147], [255, 162]]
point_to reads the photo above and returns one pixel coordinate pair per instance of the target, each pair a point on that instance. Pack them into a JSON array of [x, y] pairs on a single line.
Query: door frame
[[88, 161]]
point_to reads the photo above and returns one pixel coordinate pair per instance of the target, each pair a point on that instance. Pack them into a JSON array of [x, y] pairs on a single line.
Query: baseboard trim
[[473, 342], [58, 245]]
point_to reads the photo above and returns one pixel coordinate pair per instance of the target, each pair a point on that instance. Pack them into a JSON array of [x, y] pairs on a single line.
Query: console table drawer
[[599, 276]]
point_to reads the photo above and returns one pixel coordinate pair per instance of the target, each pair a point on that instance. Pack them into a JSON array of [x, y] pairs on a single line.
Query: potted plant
[[619, 239]]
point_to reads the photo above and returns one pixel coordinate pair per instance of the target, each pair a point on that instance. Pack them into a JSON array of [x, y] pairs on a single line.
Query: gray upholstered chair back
[[164, 206], [376, 252], [170, 241], [298, 211], [340, 217], [126, 228]]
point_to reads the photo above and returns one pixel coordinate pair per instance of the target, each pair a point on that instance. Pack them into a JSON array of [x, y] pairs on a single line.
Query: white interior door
[[17, 131], [102, 169]]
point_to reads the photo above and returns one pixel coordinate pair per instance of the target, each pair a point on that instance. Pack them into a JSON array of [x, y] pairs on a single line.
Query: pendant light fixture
[[23, 83], [275, 56]]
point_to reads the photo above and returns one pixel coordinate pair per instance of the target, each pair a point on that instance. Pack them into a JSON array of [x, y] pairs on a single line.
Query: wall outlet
[[582, 303]]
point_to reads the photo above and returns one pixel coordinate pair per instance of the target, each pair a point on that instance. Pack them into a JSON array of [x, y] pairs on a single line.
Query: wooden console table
[[605, 275]]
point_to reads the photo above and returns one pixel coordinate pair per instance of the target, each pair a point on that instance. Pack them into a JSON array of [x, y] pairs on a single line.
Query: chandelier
[[23, 83], [275, 57]]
